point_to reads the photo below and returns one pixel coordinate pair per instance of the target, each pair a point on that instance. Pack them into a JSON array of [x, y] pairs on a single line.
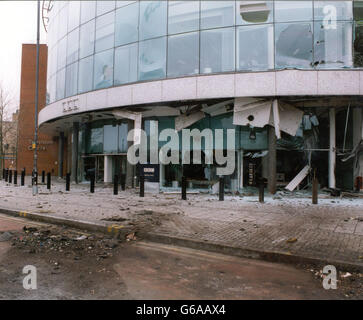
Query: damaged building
[[285, 75]]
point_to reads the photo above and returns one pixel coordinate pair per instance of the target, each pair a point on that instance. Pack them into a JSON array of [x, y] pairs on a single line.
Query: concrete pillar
[[271, 160], [107, 173], [74, 168], [60, 154], [332, 148]]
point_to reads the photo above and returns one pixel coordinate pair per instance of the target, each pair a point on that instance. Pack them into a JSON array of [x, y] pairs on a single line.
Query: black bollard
[[68, 181], [24, 171], [142, 186], [261, 192], [115, 184], [123, 182], [92, 184], [184, 188], [221, 188], [22, 178], [315, 191], [48, 180], [43, 176], [15, 177], [10, 176], [6, 175]]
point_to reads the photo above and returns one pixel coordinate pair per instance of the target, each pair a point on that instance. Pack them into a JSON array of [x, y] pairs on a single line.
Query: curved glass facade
[[99, 44]]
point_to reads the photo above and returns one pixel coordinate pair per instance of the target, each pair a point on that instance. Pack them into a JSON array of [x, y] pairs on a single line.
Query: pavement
[[286, 228], [75, 265]]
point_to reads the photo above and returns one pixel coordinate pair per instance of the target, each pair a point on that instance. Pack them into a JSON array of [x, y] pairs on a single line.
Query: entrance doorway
[[93, 166]]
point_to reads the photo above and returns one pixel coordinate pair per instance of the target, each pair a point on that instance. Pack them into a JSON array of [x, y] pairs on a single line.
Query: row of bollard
[[8, 176]]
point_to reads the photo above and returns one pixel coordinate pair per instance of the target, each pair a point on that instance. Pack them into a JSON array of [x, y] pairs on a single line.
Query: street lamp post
[[35, 143]]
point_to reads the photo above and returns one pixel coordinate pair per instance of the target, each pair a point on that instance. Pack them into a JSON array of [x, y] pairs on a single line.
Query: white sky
[[18, 24]]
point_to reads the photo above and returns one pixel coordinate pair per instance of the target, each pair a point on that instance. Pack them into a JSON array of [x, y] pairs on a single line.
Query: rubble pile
[[66, 241]]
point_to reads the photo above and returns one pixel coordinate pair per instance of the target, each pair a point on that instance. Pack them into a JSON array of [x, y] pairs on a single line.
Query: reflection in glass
[[103, 69], [248, 12], [122, 3], [215, 14], [122, 137], [110, 138], [105, 31], [292, 11], [94, 138], [88, 10], [255, 47], [72, 46], [152, 59], [126, 64], [183, 16], [104, 6], [74, 13], [61, 54], [183, 53], [330, 11], [358, 10], [217, 48], [87, 39], [61, 78], [85, 78], [63, 19], [127, 20], [293, 45], [71, 79], [153, 17], [333, 47]]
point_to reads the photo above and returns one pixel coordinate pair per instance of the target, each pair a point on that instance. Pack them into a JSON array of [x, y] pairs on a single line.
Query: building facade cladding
[[110, 54], [100, 44]]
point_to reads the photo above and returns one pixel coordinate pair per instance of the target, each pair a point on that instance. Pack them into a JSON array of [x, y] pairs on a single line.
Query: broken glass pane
[[333, 46], [358, 44], [358, 10], [255, 47], [294, 45], [248, 12]]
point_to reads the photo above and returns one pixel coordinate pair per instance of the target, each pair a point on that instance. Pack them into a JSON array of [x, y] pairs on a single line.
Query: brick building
[[47, 145]]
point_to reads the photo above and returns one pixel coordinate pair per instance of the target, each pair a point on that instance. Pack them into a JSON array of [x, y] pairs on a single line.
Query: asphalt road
[[141, 270]]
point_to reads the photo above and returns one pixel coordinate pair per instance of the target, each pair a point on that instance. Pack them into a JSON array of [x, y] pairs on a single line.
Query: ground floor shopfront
[[327, 139]]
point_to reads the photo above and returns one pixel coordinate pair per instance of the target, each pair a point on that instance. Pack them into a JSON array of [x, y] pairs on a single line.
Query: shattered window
[[293, 11], [333, 46], [358, 44], [249, 12], [255, 47], [294, 45]]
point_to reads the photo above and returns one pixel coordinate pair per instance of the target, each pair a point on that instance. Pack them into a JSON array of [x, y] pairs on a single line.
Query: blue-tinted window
[[88, 10], [152, 59], [153, 17], [183, 16], [127, 20], [126, 64], [105, 31], [87, 39], [85, 77], [215, 14], [183, 54], [103, 69], [217, 50], [71, 79]]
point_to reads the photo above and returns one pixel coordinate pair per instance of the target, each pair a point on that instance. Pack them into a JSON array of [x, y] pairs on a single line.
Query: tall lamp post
[[35, 142]]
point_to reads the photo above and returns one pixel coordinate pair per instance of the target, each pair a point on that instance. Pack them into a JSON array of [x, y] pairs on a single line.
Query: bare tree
[[5, 102]]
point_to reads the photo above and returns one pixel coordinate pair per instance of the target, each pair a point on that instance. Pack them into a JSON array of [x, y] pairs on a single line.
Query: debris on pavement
[[291, 240]]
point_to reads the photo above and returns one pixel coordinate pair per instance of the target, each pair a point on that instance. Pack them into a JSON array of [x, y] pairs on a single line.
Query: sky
[[18, 24]]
